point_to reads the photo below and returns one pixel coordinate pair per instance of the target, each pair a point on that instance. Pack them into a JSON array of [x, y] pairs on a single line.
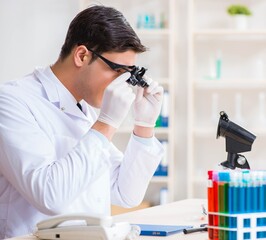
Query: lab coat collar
[[57, 93]]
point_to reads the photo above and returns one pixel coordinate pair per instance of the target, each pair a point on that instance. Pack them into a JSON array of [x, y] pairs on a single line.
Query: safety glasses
[[136, 72], [112, 65]]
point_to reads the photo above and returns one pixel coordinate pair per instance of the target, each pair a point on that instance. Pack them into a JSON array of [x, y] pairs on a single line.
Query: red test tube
[[215, 205], [210, 204]]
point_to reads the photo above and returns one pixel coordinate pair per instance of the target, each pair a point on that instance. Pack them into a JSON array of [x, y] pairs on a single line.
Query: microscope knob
[[241, 160]]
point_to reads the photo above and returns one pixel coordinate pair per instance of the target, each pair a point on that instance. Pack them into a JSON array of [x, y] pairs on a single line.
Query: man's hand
[[117, 100], [148, 104]]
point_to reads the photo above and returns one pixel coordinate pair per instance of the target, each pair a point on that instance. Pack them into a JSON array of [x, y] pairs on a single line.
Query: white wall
[[32, 33]]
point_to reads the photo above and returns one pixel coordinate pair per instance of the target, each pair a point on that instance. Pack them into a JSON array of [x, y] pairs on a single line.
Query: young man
[[56, 158]]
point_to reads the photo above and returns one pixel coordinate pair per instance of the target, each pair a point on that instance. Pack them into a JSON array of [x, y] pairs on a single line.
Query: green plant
[[238, 9]]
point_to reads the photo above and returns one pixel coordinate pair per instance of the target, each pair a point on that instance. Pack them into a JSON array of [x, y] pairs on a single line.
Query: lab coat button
[[62, 108]]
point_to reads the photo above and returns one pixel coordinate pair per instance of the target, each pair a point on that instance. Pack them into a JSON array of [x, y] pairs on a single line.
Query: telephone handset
[[93, 227]]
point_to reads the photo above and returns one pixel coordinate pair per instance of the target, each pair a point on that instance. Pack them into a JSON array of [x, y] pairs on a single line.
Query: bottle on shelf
[[218, 63], [150, 21], [162, 169], [165, 110], [215, 66], [163, 195], [162, 120], [162, 23], [211, 68]]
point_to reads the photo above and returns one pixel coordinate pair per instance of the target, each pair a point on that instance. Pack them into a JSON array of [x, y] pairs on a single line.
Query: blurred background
[[208, 54]]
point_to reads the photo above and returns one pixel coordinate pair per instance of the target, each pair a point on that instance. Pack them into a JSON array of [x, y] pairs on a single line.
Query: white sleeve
[[133, 173], [28, 160]]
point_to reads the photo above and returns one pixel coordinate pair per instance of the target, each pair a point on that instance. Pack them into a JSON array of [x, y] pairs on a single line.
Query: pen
[[192, 230]]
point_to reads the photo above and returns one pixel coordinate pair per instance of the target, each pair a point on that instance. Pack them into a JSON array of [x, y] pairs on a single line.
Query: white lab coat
[[51, 162]]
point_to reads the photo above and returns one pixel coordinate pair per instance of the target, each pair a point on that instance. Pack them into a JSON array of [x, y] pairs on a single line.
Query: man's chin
[[95, 105]]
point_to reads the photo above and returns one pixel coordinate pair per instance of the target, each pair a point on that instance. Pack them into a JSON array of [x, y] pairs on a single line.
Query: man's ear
[[80, 56]]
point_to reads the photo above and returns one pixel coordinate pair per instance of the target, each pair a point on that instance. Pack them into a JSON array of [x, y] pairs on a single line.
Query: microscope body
[[238, 140]]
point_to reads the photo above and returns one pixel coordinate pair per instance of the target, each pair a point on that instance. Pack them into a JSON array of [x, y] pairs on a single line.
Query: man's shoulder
[[25, 86]]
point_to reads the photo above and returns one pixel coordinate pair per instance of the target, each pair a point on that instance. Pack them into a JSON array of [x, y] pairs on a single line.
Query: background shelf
[[226, 71]]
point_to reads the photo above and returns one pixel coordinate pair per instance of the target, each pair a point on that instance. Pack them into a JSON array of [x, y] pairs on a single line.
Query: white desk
[[186, 212]]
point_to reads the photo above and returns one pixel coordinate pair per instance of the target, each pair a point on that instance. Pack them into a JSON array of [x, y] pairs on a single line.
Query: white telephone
[[94, 227]]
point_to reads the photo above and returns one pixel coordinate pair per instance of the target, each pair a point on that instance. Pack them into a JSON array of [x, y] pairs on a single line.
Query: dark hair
[[101, 29]]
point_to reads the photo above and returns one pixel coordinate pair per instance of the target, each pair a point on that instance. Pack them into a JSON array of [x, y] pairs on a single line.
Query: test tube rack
[[246, 226]]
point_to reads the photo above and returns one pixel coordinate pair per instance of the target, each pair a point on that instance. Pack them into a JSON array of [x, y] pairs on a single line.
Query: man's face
[[98, 75]]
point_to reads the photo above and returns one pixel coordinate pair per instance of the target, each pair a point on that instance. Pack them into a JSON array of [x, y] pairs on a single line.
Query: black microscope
[[238, 140]]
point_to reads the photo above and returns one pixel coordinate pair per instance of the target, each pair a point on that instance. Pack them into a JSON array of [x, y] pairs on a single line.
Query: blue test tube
[[254, 191], [260, 222], [263, 201], [233, 202], [248, 197], [247, 185], [240, 199], [260, 190]]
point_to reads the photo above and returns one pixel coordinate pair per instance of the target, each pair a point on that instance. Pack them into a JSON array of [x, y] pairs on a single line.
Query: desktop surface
[[185, 212]]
